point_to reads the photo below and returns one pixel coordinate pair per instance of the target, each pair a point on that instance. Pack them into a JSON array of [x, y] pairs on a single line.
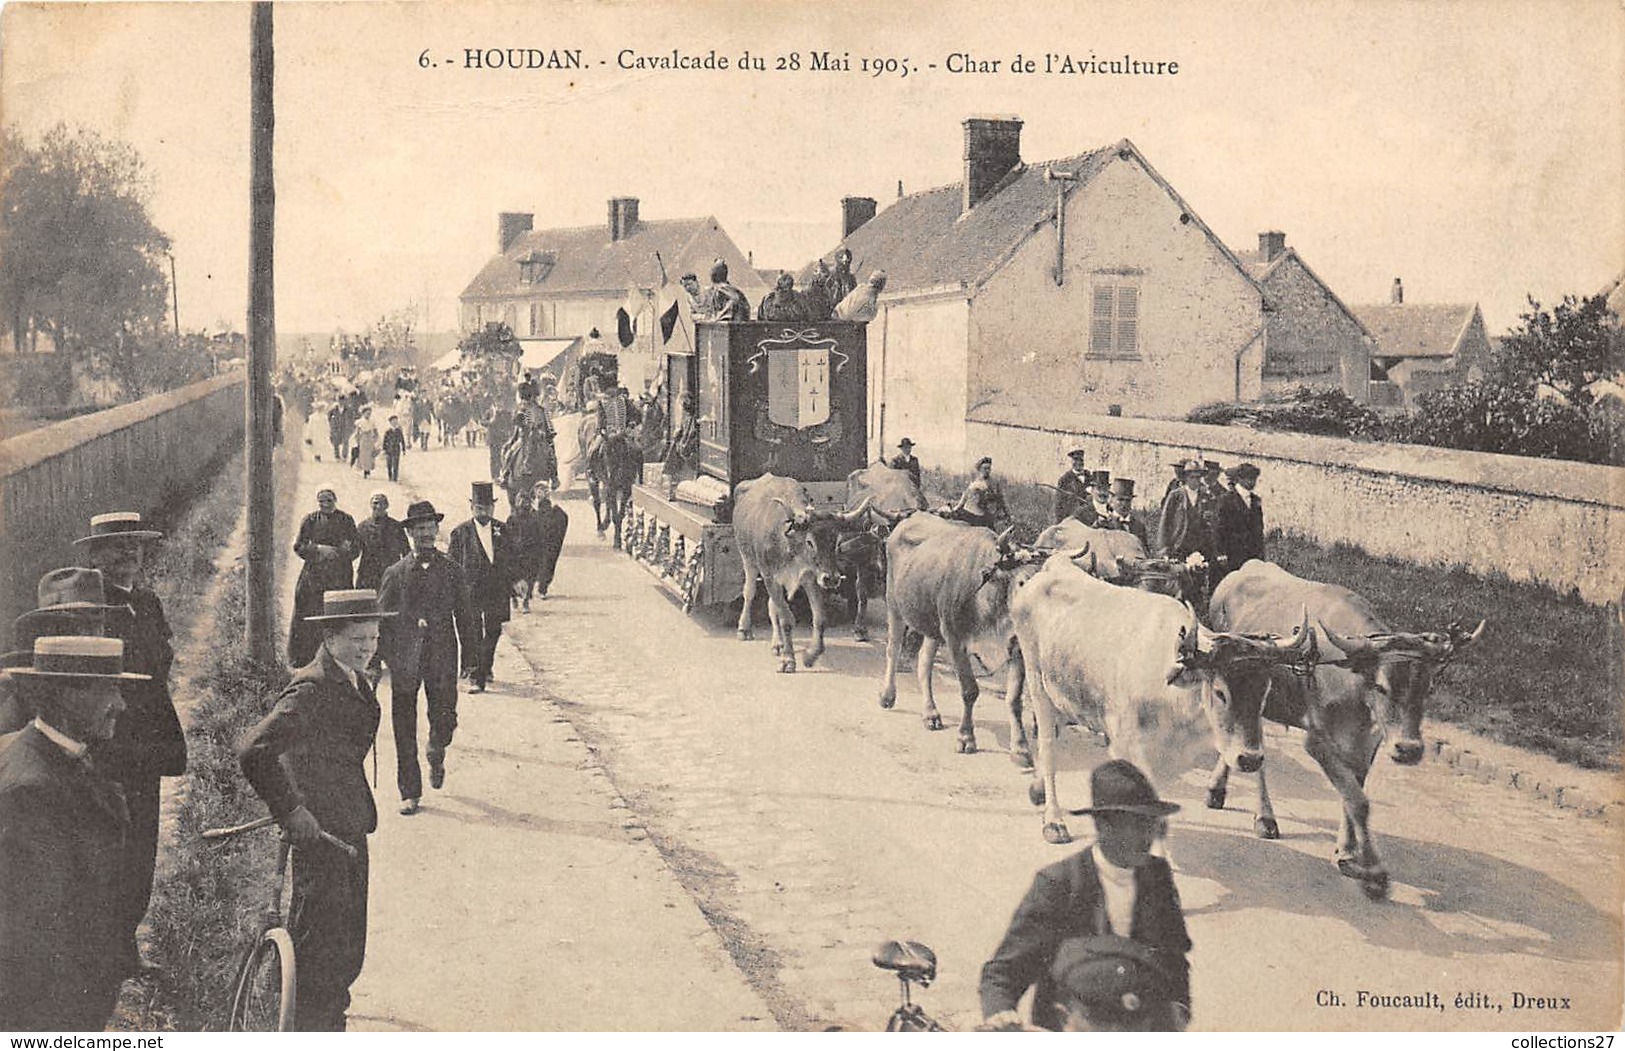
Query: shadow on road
[[1471, 903]]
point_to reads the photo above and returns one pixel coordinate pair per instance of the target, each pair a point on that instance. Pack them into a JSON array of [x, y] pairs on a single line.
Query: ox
[[892, 497], [1118, 557], [1343, 706], [1140, 667], [792, 548], [951, 583]]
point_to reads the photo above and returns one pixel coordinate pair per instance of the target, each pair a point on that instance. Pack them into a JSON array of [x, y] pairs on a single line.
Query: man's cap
[[1118, 786], [421, 511], [349, 604], [118, 525], [483, 493], [1115, 981], [1122, 487], [1244, 472], [78, 658], [1077, 454]]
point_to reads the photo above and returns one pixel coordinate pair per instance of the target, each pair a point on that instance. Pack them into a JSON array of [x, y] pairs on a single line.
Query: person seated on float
[[982, 503]]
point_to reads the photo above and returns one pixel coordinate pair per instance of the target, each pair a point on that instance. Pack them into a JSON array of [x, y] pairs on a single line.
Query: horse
[[527, 458], [611, 471]]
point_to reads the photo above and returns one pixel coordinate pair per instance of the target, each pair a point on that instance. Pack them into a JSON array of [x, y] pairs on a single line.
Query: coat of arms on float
[[801, 366]]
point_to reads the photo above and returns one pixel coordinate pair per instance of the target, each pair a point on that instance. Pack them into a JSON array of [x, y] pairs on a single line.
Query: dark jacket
[[382, 545], [1066, 901], [910, 463], [1129, 525], [394, 441], [310, 750], [1070, 495], [1240, 528], [62, 831], [1181, 529], [326, 574], [488, 579], [147, 741], [432, 601], [524, 542]]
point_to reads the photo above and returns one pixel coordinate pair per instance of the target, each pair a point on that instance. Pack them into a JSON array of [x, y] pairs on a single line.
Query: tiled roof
[[1253, 262], [584, 259], [922, 241], [1416, 330]]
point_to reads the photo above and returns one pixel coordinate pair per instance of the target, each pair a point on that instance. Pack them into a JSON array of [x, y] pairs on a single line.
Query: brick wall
[[135, 457], [1542, 521]]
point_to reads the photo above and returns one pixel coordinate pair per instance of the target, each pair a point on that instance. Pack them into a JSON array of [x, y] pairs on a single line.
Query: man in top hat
[[1239, 521], [63, 826], [480, 550], [1121, 503], [1182, 531], [1072, 489], [306, 759], [905, 460], [329, 545], [1098, 508], [1116, 886], [70, 601], [148, 743], [421, 647]]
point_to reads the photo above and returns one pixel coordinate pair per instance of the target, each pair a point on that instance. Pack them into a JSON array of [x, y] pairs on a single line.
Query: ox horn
[[798, 519], [1355, 646], [1460, 640], [1004, 538], [852, 517], [1073, 556]]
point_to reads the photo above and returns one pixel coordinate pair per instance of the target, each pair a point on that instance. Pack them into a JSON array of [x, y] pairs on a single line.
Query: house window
[[536, 319], [1114, 319]]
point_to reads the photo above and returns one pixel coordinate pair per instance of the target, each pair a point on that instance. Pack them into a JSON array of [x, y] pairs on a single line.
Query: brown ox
[[892, 497], [1139, 667], [951, 583], [1366, 672], [792, 548]]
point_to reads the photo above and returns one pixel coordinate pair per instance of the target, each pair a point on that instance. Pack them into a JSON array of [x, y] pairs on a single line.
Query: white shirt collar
[[77, 749]]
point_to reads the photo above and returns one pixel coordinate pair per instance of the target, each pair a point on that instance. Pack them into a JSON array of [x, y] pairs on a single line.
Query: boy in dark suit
[[1114, 887], [394, 446], [479, 549]]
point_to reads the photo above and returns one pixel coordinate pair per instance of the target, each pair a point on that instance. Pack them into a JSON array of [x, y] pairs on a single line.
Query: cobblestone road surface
[[807, 825]]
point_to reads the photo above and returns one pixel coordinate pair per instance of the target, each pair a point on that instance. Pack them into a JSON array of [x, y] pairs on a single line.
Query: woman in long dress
[[366, 440]]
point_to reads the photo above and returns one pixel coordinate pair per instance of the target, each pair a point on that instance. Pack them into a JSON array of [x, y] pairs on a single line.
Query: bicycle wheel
[[264, 999]]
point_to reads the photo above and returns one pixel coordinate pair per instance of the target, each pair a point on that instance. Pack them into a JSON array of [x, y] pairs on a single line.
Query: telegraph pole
[[261, 335]]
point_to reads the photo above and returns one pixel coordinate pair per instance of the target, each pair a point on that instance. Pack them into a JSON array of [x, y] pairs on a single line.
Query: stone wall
[[1544, 521], [135, 457]]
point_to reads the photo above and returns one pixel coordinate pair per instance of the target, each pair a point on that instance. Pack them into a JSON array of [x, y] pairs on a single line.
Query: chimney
[[855, 211], [1397, 295], [992, 149], [510, 225], [1271, 245], [623, 216]]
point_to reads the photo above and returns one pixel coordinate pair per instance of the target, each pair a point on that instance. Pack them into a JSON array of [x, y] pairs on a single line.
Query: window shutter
[[1128, 320], [1100, 324]]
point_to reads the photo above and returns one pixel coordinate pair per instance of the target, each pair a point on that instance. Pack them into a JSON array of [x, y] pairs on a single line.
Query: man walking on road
[[479, 549], [421, 647], [394, 446], [147, 743], [383, 543], [307, 761]]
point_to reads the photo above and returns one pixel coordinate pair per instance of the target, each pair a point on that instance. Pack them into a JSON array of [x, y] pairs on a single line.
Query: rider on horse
[[528, 454]]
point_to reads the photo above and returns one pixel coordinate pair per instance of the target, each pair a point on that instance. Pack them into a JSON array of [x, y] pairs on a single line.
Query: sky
[[1475, 148]]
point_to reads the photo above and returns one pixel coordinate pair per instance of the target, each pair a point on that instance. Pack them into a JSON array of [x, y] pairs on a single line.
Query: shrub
[[1302, 409], [1499, 418]]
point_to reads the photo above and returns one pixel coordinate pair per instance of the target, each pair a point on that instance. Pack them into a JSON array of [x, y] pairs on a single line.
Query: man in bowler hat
[[147, 743], [421, 647], [905, 460], [1116, 886], [306, 759], [69, 601], [480, 550], [63, 826]]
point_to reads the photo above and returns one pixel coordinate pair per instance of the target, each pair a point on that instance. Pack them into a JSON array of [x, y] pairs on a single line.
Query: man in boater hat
[[63, 825], [1115, 887], [306, 759], [70, 601], [148, 743], [421, 648]]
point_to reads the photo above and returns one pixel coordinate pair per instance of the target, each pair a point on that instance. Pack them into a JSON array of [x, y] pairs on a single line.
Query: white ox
[[1138, 666]]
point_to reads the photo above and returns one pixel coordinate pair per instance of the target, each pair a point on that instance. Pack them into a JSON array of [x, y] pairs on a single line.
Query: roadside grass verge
[[209, 897], [1548, 675]]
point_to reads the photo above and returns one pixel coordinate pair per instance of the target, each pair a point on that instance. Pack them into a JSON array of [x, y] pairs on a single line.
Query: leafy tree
[[1566, 348], [80, 258]]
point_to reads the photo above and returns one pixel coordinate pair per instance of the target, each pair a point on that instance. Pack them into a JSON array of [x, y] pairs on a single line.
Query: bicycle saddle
[[912, 961]]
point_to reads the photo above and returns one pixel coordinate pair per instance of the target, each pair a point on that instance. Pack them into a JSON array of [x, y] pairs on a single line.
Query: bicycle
[[911, 962], [263, 996]]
